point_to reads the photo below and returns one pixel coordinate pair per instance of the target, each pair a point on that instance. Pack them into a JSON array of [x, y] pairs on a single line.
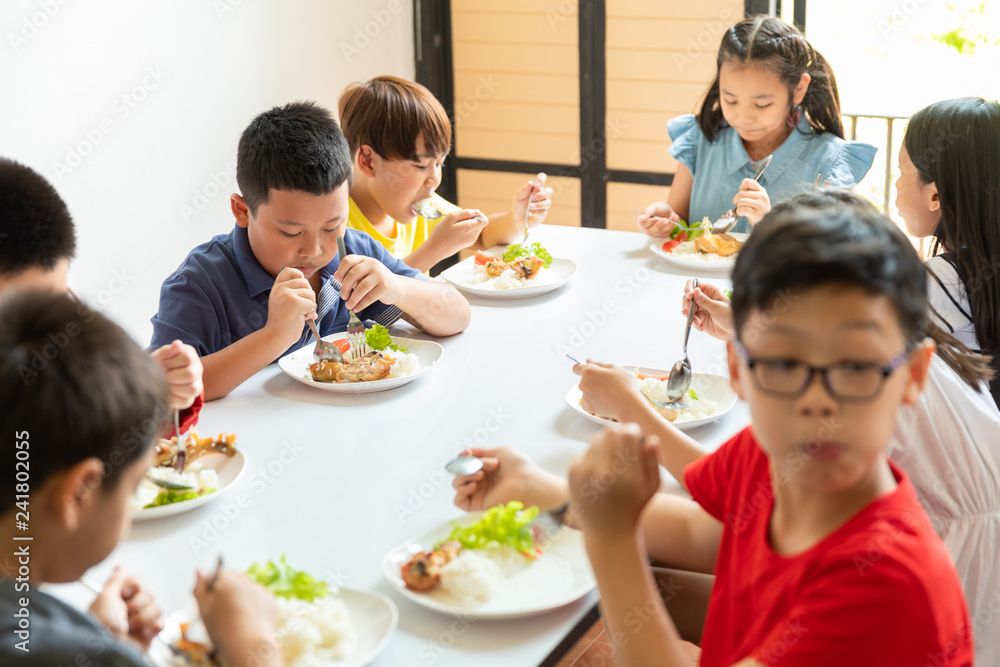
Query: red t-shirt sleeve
[[710, 478], [189, 416], [881, 617]]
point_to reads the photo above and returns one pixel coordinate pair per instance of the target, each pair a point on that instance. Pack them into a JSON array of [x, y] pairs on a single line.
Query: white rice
[[403, 363], [690, 253], [475, 575], [509, 279], [316, 633], [201, 478], [699, 408]]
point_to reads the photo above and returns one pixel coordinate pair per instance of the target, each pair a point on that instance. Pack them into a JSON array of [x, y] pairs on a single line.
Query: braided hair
[[772, 44]]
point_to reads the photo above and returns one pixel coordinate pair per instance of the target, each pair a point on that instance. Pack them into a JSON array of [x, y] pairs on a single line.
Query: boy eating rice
[[243, 298], [73, 426], [821, 552]]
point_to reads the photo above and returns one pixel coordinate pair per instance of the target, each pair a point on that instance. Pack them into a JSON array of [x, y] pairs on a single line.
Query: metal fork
[[355, 328], [527, 211]]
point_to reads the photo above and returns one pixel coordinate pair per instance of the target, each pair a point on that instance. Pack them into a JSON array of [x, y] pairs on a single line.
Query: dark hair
[[389, 113], [36, 230], [294, 147], [73, 385], [834, 237], [772, 44], [955, 144]]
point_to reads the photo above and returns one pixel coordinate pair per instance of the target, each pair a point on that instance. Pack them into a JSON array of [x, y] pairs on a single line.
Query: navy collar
[[786, 154], [257, 279]]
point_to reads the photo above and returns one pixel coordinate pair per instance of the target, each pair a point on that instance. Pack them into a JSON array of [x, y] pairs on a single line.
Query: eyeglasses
[[846, 381]]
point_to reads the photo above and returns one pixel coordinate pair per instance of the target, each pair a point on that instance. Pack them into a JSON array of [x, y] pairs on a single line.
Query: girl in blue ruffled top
[[773, 94]]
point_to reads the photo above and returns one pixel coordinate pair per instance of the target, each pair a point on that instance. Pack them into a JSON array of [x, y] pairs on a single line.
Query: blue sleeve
[[685, 135], [382, 313], [849, 164], [186, 314]]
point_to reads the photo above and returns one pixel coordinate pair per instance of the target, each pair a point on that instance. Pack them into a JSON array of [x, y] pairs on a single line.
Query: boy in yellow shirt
[[399, 135]]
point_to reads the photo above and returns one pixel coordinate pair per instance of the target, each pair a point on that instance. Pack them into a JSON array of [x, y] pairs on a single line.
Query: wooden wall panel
[[660, 61], [623, 198], [516, 67], [493, 192]]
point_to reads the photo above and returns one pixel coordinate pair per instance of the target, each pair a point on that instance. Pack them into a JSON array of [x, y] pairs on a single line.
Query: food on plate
[[516, 251], [372, 366], [386, 360], [722, 245], [190, 653], [314, 625], [472, 563], [525, 267], [423, 571], [697, 242], [655, 388], [204, 480], [195, 447], [520, 266]]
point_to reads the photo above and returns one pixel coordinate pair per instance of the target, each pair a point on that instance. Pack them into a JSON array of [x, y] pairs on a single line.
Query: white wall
[[133, 111]]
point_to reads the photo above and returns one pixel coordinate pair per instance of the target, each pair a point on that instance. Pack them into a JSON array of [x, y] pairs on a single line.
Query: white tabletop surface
[[335, 481]]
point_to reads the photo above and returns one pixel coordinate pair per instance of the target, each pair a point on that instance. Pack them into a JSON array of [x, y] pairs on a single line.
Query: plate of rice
[[709, 398], [419, 358], [347, 628], [687, 256], [497, 581], [473, 279], [211, 475]]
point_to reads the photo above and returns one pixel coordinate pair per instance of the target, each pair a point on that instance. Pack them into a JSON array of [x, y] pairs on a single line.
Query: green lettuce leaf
[[501, 525], [285, 581], [536, 249], [168, 497], [378, 339]]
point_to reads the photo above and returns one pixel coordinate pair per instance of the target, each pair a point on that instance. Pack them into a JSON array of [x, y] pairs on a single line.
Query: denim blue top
[[720, 166], [219, 294]]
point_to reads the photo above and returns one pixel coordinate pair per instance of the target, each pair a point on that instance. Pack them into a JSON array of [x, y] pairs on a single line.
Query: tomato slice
[[668, 246], [661, 378], [343, 345], [482, 258]]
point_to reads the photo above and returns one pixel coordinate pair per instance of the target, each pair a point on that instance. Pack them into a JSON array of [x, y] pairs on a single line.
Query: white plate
[[713, 387], [296, 366], [561, 575], [460, 276], [229, 468], [374, 617], [724, 265]]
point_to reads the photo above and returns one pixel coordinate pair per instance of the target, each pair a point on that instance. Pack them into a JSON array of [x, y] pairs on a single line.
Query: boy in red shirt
[[821, 552]]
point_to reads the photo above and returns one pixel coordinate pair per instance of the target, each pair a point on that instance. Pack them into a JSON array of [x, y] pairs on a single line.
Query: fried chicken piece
[[525, 267], [372, 366], [195, 447], [494, 269], [423, 571], [722, 245]]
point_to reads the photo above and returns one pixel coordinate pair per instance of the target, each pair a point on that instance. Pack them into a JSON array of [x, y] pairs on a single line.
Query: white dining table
[[335, 481]]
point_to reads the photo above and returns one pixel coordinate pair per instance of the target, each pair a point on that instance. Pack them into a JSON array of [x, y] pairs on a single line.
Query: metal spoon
[[425, 209], [729, 218], [680, 375], [324, 351], [461, 466]]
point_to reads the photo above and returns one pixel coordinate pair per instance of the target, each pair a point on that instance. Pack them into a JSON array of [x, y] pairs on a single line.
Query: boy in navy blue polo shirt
[[243, 298]]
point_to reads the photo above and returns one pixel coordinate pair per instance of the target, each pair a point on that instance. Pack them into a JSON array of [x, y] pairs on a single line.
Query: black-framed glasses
[[846, 381]]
